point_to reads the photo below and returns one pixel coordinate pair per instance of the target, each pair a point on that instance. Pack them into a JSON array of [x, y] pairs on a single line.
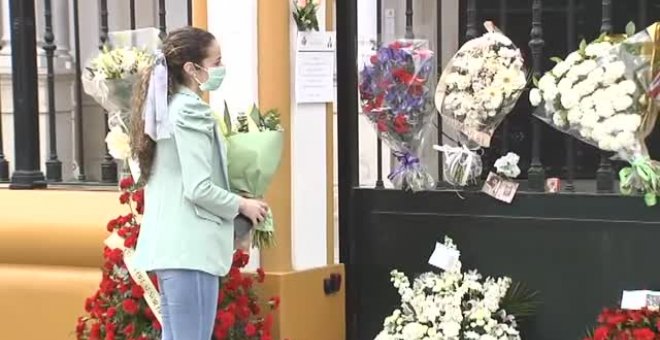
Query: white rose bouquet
[[455, 305], [601, 95], [478, 88]]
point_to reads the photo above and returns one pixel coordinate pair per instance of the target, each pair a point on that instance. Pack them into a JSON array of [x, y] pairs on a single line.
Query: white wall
[[235, 25]]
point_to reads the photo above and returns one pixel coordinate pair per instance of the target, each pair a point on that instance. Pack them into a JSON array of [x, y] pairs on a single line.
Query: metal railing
[[28, 173], [576, 21]]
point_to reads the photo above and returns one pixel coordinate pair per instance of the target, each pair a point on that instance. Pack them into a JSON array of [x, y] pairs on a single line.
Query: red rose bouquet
[[622, 324], [119, 309]]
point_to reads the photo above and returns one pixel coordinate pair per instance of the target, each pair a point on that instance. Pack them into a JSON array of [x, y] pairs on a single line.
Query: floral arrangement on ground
[[119, 311], [622, 324], [454, 305]]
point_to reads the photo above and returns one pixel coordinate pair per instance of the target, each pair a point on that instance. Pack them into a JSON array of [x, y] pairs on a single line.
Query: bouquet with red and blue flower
[[395, 91]]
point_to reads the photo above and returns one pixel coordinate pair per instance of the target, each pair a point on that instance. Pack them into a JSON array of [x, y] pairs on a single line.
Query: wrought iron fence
[[542, 29], [28, 173]]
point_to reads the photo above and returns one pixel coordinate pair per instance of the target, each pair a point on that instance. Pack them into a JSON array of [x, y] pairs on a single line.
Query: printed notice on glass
[[315, 66]]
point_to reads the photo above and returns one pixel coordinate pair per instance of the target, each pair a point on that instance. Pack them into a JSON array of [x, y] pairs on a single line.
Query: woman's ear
[[189, 68]]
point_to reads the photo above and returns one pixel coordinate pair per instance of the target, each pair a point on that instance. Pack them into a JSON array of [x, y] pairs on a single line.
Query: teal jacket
[[189, 212]]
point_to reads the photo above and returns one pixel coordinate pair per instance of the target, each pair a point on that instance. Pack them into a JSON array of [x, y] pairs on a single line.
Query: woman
[[187, 229]]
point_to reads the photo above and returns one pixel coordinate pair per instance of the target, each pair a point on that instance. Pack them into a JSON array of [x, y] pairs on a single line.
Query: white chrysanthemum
[[510, 80], [569, 99], [604, 108], [586, 67], [558, 120], [622, 103], [565, 85], [119, 143], [547, 82], [627, 87], [598, 49], [589, 119], [560, 69], [535, 97], [574, 115], [614, 71], [573, 58]]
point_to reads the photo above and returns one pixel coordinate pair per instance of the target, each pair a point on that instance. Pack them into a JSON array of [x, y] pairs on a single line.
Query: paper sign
[[443, 257], [315, 67], [638, 299]]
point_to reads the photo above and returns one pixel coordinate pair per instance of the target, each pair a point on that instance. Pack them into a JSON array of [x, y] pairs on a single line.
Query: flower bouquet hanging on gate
[[254, 142], [607, 94], [478, 88], [396, 98], [110, 76]]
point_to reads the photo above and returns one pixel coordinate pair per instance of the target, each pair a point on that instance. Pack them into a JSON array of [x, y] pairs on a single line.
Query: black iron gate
[[580, 248]]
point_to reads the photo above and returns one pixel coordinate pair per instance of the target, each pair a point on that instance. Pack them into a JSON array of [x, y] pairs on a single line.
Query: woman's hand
[[253, 209]]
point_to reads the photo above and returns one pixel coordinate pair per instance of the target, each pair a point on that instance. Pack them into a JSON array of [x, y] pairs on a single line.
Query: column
[[26, 117]]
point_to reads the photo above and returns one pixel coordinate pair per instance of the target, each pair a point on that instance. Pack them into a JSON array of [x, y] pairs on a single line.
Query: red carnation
[[126, 183], [123, 198], [401, 124], [274, 302], [130, 306], [643, 334], [137, 291], [261, 275], [129, 330]]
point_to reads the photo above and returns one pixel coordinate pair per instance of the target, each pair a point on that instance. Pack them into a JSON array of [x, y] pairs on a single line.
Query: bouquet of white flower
[[601, 95], [478, 88], [109, 76], [455, 305]]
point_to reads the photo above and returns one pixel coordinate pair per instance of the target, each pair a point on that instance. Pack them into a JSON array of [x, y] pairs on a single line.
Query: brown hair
[[179, 47]]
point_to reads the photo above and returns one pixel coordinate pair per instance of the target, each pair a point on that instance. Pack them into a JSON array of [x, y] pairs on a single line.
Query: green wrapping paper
[[252, 160]]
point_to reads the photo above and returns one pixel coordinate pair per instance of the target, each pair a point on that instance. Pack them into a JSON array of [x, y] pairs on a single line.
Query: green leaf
[[535, 81], [520, 301], [630, 29], [227, 118], [255, 115], [557, 60], [583, 46]]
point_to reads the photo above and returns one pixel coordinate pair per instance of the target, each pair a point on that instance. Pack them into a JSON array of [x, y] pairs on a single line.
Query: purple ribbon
[[406, 162]]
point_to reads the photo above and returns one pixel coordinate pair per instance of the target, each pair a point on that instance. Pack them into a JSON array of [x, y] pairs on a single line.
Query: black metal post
[[569, 140], [4, 164], [642, 16], [80, 145], [438, 23], [28, 174], [605, 173], [108, 165], [379, 142], [162, 18], [505, 123], [190, 12], [471, 22], [410, 33], [53, 164], [536, 173], [348, 159], [131, 9]]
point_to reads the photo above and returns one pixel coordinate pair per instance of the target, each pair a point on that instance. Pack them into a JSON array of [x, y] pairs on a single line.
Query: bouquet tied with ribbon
[[606, 94], [479, 87], [396, 98]]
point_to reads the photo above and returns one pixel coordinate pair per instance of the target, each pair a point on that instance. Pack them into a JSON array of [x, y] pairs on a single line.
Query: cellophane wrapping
[[479, 86], [395, 92], [604, 94]]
